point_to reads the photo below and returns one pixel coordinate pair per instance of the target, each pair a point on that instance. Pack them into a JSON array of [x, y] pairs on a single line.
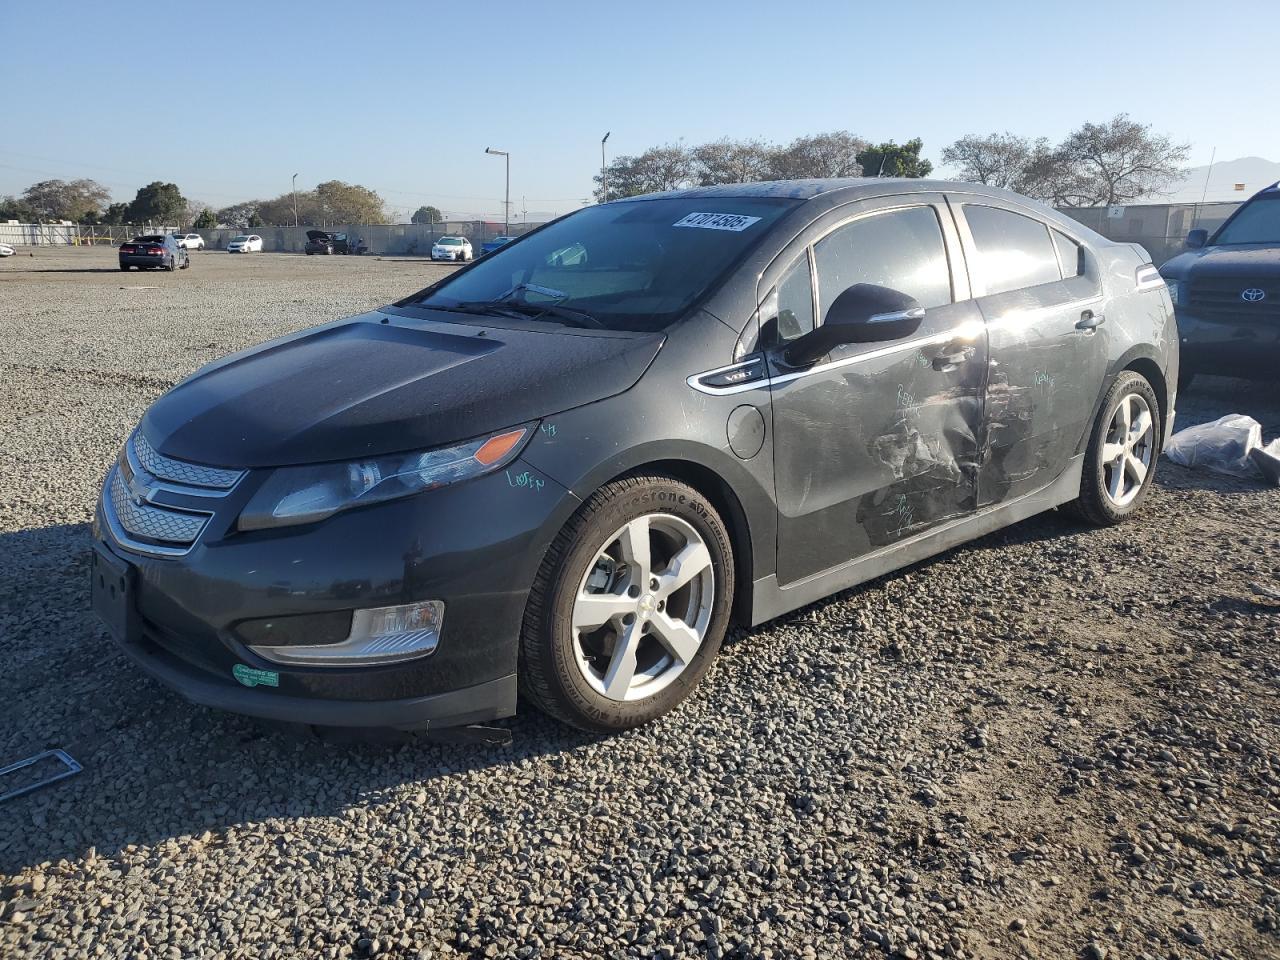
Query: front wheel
[[629, 607], [1120, 463]]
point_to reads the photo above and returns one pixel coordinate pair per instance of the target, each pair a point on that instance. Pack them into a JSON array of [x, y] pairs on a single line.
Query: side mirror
[[1197, 238], [865, 313]]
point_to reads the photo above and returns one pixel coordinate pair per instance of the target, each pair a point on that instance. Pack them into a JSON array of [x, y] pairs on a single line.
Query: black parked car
[[566, 467], [1226, 293], [318, 241], [152, 251]]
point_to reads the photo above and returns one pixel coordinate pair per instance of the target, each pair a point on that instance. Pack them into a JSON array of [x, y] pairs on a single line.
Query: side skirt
[[769, 599]]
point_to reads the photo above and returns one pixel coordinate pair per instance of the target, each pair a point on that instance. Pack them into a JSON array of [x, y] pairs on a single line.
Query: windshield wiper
[[523, 308]]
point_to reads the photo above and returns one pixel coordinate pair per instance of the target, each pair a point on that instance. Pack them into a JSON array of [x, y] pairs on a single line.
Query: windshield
[[239, 239], [449, 242], [634, 265], [1256, 222]]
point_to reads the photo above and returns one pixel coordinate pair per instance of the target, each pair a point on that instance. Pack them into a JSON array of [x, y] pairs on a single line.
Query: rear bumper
[[134, 260]]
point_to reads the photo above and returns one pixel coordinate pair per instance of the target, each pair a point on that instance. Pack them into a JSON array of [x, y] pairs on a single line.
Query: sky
[[229, 100]]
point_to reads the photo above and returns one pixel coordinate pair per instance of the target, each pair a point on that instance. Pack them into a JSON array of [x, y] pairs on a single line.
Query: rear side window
[[1068, 255], [901, 249], [1014, 251]]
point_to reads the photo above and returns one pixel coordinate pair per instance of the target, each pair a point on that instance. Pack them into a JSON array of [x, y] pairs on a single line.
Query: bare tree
[[669, 167], [832, 154], [66, 200], [997, 159], [733, 161], [1122, 160]]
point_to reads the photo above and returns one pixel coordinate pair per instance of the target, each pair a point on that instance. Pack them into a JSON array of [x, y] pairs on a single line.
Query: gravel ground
[[1054, 742]]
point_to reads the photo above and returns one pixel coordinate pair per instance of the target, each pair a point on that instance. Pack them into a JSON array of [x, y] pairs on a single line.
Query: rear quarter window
[[1013, 251]]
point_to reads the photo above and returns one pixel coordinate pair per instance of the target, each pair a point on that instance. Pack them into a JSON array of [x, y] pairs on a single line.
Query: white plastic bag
[[1222, 446]]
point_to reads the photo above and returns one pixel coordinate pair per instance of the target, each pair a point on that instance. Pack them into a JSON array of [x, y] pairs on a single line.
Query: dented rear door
[[1040, 295], [877, 442]]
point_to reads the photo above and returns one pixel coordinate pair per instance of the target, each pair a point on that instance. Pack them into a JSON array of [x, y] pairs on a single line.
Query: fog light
[[378, 635]]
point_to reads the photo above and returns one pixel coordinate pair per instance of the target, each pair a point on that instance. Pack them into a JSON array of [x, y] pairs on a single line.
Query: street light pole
[[295, 199], [506, 204], [604, 171]]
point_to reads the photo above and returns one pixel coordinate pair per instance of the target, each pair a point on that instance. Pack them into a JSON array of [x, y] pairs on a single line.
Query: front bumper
[[475, 546], [1227, 347]]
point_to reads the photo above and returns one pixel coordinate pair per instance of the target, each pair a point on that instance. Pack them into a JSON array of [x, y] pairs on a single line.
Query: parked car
[[153, 251], [189, 241], [1226, 293], [565, 469], [491, 245], [246, 243], [319, 241], [451, 248], [6, 250]]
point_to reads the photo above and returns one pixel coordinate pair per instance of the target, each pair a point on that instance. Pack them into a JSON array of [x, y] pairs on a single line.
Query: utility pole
[[604, 171], [506, 204], [295, 199]]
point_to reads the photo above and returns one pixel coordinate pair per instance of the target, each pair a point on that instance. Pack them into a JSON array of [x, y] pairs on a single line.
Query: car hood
[[1255, 260], [383, 383], [317, 235]]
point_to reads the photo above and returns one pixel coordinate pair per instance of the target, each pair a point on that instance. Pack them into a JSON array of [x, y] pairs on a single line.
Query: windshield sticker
[[736, 222]]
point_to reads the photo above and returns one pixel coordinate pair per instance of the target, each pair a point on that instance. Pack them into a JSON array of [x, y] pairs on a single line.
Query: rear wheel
[[629, 607], [1120, 464], [124, 267]]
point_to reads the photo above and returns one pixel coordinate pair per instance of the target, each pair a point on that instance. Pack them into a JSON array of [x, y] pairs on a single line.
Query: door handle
[[951, 358], [1090, 321]]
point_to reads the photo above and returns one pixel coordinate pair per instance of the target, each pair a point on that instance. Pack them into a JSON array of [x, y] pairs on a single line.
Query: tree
[[116, 213], [157, 202], [1099, 164], [205, 220], [427, 214], [63, 200], [11, 208], [732, 161], [349, 203], [242, 215], [890, 159], [997, 159], [832, 154], [1121, 160], [668, 167]]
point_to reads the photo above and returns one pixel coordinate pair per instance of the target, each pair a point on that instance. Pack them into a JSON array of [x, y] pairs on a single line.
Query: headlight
[[294, 495]]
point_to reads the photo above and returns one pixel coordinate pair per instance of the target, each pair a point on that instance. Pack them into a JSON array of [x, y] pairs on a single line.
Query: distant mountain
[[1254, 172]]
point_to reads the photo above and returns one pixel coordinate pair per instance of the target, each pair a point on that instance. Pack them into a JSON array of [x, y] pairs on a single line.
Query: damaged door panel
[[1040, 296], [877, 441]]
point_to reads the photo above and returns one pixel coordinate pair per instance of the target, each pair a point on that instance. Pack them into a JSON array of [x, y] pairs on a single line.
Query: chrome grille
[[179, 471], [150, 522]]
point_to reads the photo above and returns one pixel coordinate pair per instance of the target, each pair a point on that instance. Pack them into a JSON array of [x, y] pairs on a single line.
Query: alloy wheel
[[1127, 449], [643, 607]]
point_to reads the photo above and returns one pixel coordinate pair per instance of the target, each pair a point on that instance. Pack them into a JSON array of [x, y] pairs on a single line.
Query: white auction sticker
[[717, 221]]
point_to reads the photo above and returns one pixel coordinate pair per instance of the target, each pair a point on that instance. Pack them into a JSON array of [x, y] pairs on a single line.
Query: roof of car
[[847, 187]]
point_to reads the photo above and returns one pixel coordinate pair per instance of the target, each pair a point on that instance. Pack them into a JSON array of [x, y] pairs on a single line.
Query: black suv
[[1226, 293]]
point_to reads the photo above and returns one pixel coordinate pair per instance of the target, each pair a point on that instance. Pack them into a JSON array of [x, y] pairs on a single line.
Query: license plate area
[[111, 595]]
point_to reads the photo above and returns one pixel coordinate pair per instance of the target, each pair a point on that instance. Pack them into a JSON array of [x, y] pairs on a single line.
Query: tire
[[169, 267], [567, 672], [124, 267], [1100, 502]]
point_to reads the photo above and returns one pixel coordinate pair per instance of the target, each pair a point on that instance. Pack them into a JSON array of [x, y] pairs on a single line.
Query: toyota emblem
[[1253, 295]]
